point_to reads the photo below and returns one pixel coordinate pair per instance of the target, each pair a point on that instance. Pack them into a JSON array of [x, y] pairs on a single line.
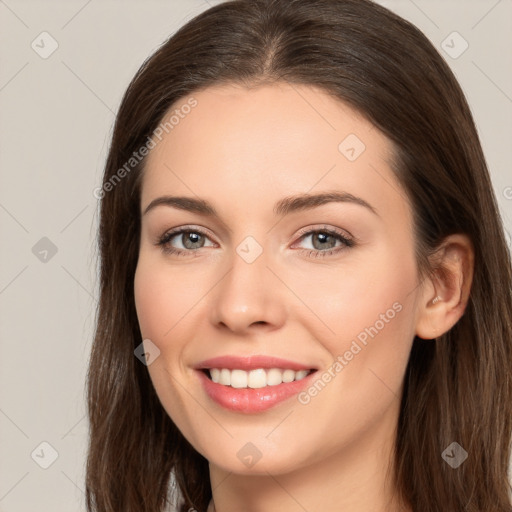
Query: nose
[[249, 297]]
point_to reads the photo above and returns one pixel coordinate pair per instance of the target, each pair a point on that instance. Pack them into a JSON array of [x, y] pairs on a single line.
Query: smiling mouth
[[254, 379]]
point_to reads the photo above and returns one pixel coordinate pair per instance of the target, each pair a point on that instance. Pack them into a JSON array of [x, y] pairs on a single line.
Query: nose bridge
[[249, 292]]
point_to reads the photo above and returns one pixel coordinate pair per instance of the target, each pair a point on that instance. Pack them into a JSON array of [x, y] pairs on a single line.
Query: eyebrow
[[283, 207]]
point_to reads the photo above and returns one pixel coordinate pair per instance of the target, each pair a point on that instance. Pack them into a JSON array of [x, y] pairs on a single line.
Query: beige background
[[56, 119]]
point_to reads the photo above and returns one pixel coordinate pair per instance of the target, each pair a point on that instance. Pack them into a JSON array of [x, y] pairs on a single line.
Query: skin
[[243, 150]]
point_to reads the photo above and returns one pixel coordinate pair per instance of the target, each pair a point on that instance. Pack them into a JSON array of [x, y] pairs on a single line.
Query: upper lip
[[254, 362]]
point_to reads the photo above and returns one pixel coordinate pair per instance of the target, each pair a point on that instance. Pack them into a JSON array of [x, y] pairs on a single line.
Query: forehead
[[256, 145]]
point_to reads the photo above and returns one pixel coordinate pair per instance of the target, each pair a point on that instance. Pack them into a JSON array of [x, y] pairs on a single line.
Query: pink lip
[[251, 363], [250, 400]]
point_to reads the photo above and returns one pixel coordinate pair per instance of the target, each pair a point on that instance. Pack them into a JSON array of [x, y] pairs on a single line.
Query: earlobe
[[454, 266]]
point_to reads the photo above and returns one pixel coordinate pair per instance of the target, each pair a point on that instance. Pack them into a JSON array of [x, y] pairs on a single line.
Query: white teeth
[[225, 377], [288, 376], [238, 379], [301, 374], [255, 379], [274, 377]]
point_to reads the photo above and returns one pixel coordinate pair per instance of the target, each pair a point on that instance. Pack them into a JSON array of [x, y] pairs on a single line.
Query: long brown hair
[[457, 387]]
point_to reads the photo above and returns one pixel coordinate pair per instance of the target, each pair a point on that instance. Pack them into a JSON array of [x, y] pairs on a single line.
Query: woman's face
[[274, 283]]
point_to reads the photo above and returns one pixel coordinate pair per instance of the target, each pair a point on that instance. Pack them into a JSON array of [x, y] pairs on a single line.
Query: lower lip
[[248, 400]]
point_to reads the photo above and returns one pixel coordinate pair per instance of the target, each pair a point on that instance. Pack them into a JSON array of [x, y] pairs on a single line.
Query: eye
[[190, 238], [326, 241]]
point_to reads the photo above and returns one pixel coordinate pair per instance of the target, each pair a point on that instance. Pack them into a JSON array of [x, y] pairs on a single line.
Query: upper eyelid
[[329, 229], [180, 230]]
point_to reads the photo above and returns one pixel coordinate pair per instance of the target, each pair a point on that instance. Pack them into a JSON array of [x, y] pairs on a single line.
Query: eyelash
[[164, 240]]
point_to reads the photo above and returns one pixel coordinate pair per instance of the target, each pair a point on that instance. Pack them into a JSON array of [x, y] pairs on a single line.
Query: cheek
[[354, 296], [163, 300], [161, 312], [367, 314], [151, 302]]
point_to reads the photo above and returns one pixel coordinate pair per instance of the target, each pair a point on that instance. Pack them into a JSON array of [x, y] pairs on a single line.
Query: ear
[[445, 295]]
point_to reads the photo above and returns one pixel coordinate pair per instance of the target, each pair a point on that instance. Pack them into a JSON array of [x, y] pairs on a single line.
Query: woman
[[239, 356]]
